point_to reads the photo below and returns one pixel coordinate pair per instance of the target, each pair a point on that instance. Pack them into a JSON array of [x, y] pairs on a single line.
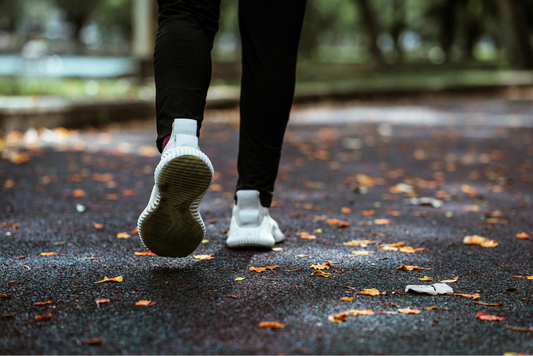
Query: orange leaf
[[44, 317], [116, 279], [346, 210], [111, 196], [145, 303], [362, 243], [78, 193], [123, 235], [382, 221], [367, 212], [408, 310], [426, 278], [204, 257], [49, 253], [343, 224], [346, 299], [260, 269], [326, 265], [362, 312], [523, 235], [102, 300], [271, 267], [233, 296], [391, 247], [148, 253], [410, 268], [98, 226], [271, 325], [479, 240], [128, 192], [394, 213], [473, 296], [362, 253], [372, 291], [308, 237], [528, 277], [489, 317], [434, 307], [10, 225], [409, 249], [42, 303], [338, 318], [323, 274]]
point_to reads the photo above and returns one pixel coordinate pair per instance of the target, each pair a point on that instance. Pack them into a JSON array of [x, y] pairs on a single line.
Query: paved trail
[[200, 307]]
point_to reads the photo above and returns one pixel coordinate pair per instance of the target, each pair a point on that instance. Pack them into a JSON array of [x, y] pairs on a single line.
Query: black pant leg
[[270, 32], [182, 60]]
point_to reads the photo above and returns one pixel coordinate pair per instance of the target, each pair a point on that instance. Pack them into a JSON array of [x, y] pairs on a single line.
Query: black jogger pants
[[270, 32]]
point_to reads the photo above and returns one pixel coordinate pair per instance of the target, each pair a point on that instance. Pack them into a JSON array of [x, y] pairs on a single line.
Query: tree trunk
[[398, 27], [522, 52], [370, 23]]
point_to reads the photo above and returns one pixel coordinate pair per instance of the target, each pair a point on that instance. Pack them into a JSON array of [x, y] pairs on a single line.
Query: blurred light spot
[[436, 55]]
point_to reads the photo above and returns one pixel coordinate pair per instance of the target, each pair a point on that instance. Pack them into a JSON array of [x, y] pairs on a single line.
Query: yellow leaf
[[326, 265], [426, 278], [338, 318], [409, 249], [116, 279], [204, 257], [98, 226], [239, 278], [323, 274], [479, 240], [49, 253], [362, 253], [362, 243], [123, 235], [260, 269], [145, 303], [277, 249], [346, 299], [148, 253], [362, 312], [372, 291], [408, 310], [382, 221]]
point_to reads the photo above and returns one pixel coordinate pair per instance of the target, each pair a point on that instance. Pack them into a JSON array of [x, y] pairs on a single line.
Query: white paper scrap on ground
[[433, 289]]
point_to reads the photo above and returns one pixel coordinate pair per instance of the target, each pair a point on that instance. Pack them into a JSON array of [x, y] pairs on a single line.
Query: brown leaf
[[233, 296], [116, 279], [473, 296], [434, 307], [367, 212], [488, 304], [4, 296], [489, 317], [409, 249], [42, 303], [518, 328], [410, 268], [323, 274], [271, 325], [95, 341], [44, 317], [391, 247], [362, 243], [10, 225], [408, 310], [338, 318]]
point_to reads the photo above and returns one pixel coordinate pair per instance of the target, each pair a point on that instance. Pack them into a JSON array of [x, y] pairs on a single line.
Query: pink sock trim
[[165, 141]]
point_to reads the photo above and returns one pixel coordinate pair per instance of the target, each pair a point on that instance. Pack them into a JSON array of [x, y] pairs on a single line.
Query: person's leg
[[270, 33], [182, 60]]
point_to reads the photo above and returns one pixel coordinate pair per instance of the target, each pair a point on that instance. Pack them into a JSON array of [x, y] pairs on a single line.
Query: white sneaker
[[171, 224], [251, 224]]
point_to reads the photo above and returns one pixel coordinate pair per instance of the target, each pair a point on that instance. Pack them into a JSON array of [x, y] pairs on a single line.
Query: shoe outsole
[[173, 227], [256, 237]]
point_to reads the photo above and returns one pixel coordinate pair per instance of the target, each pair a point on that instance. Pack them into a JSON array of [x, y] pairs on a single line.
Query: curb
[[77, 114]]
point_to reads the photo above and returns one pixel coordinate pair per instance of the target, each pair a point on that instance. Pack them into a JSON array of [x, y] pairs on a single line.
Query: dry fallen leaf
[[98, 226], [518, 328], [473, 296], [258, 269], [528, 277], [356, 312], [489, 317], [42, 303], [308, 237], [123, 235], [271, 267], [116, 279], [326, 265], [382, 221], [408, 310], [49, 253], [372, 291], [410, 268], [338, 318], [44, 317], [101, 301], [271, 325], [426, 278], [233, 296], [78, 193], [362, 243], [10, 225], [391, 247], [239, 278], [95, 341], [145, 303], [489, 304], [409, 249], [367, 212], [479, 240], [148, 253], [434, 307], [347, 299], [204, 257], [346, 210], [323, 274], [523, 235], [453, 280], [362, 253]]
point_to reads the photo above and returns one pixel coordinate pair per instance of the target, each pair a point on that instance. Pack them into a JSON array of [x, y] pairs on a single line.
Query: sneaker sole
[[172, 225]]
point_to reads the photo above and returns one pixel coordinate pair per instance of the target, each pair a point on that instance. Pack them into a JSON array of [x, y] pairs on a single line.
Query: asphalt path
[[73, 193]]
